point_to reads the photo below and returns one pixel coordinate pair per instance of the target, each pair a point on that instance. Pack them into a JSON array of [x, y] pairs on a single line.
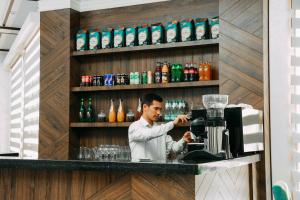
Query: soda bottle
[[191, 73], [157, 74], [173, 73], [165, 73], [90, 112], [186, 72], [82, 111]]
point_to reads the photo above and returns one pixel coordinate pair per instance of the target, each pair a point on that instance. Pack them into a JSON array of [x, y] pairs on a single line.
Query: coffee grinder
[[211, 140]]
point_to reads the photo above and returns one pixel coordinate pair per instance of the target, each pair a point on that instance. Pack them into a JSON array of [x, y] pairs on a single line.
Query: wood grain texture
[[226, 185], [77, 185], [56, 44], [241, 51]]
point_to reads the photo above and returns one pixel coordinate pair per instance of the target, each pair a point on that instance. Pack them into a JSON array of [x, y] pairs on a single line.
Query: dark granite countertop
[[147, 167]]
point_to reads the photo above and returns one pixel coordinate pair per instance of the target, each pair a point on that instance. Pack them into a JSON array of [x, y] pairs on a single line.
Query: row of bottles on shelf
[[164, 73], [88, 114], [173, 107]]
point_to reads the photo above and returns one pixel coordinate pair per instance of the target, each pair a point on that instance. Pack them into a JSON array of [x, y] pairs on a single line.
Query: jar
[[130, 116], [101, 116]]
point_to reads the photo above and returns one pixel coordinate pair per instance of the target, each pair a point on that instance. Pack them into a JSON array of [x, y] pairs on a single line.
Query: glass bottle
[[82, 111], [165, 73], [90, 112], [139, 110], [157, 74], [121, 113], [112, 116], [186, 72]]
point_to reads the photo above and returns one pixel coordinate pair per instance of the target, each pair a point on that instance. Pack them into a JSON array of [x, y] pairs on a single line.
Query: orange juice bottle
[[112, 116], [121, 113]]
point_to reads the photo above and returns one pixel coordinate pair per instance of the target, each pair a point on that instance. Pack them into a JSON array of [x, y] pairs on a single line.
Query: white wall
[[4, 108], [279, 44]]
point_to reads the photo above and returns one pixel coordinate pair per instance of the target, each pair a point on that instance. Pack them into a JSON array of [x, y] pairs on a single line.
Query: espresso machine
[[223, 133]]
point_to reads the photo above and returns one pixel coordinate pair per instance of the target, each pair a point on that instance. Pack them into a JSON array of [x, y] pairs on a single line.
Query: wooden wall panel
[[241, 51], [149, 13], [56, 44]]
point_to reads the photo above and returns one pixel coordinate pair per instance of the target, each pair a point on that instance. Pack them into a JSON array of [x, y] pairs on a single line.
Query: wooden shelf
[[147, 86], [148, 47], [108, 125]]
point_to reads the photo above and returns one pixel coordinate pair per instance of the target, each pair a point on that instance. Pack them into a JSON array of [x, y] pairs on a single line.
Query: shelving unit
[[138, 59], [147, 86], [109, 125], [164, 46]]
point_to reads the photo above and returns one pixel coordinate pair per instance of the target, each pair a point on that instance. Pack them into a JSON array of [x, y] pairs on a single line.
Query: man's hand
[[187, 137], [180, 119]]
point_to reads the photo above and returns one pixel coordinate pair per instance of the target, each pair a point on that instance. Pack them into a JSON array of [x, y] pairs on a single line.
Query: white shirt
[[152, 142]]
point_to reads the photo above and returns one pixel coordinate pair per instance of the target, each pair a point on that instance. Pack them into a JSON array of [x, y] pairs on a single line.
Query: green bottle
[[90, 112], [82, 111]]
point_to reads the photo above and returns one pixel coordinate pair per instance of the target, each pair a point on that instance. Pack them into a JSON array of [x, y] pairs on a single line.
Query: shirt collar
[[145, 122]]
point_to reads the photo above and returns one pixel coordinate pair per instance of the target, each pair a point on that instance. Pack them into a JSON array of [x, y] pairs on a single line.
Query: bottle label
[[200, 32], [80, 43], [156, 36], [215, 31], [142, 37], [93, 42], [129, 39], [118, 40], [185, 33], [171, 34], [105, 41]]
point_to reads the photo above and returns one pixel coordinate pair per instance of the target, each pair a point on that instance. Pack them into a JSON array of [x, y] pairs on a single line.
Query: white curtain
[[25, 87], [295, 97]]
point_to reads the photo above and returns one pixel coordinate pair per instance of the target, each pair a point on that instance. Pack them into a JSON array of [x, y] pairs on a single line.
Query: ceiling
[[13, 14]]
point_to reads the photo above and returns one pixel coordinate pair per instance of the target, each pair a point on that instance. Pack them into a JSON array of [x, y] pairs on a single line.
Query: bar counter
[[146, 167], [54, 179]]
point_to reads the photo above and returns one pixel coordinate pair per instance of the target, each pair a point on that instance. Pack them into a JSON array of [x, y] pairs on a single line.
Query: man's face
[[153, 111]]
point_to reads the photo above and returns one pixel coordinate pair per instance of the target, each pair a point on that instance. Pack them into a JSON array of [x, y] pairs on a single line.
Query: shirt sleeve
[[143, 134], [174, 146]]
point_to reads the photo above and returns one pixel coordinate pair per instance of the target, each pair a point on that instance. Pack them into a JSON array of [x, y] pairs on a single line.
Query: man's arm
[[177, 147], [139, 134]]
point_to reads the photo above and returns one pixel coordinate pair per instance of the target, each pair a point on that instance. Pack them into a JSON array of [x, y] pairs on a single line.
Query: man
[[148, 140]]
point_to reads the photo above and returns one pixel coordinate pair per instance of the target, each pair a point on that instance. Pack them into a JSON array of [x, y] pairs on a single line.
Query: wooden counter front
[[46, 179]]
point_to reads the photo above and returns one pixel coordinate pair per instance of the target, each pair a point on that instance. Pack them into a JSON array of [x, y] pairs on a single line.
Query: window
[[25, 87], [295, 97]]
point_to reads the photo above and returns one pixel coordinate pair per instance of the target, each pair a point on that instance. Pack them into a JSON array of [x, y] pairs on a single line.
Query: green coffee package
[[201, 29], [107, 38], [143, 35], [131, 36], [172, 31], [187, 30], [214, 27], [81, 40], [157, 33], [94, 39], [119, 37]]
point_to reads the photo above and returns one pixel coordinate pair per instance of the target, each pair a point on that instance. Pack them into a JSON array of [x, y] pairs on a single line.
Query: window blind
[[295, 97], [31, 98], [25, 87]]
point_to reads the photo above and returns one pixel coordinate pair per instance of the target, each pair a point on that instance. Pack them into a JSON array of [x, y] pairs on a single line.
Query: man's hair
[[149, 98]]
